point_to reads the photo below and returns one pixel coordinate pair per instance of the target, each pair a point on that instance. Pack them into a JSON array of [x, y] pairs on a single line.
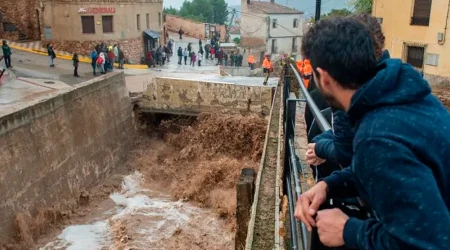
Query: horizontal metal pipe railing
[[321, 120]]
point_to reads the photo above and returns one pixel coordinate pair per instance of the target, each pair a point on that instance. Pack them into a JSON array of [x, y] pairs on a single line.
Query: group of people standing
[[160, 55], [103, 58], [305, 69]]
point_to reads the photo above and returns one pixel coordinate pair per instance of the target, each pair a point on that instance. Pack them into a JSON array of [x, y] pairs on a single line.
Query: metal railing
[[292, 165]]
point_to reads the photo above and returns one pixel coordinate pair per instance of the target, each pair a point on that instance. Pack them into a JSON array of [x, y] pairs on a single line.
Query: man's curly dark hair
[[343, 47], [375, 28]]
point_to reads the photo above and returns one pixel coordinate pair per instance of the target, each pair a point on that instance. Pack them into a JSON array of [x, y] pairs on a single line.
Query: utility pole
[[318, 5]]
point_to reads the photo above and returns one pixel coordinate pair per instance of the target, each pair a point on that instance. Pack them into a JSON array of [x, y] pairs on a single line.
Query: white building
[[267, 27]]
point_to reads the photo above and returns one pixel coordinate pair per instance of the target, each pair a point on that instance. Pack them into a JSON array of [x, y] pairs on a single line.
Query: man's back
[[401, 161]]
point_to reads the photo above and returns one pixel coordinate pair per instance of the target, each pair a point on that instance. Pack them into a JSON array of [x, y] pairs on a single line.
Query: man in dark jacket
[[180, 55], [401, 146], [6, 54]]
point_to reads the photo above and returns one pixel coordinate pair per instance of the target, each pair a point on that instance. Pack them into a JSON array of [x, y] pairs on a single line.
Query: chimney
[[272, 1], [248, 1]]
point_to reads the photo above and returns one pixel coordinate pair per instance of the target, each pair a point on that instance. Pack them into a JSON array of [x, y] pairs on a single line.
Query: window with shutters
[[415, 56], [107, 23], [274, 23], [147, 20], [421, 13], [295, 23], [88, 24]]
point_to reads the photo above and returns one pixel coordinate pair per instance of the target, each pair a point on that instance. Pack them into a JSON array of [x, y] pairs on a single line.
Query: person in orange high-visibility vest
[[268, 67], [251, 61], [307, 72], [300, 67]]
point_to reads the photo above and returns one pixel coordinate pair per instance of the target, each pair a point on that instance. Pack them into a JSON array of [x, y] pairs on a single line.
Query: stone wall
[[132, 48], [190, 28], [178, 96], [435, 80], [21, 13], [51, 150]]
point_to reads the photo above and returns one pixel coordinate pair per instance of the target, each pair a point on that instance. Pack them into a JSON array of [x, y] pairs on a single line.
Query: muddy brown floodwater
[[179, 194]]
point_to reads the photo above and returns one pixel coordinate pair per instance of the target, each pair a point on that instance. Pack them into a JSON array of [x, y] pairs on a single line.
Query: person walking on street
[[185, 55], [121, 58], [6, 54], [180, 32], [200, 43], [268, 67], [194, 58], [180, 55], [75, 64], [163, 56], [212, 52], [116, 53], [94, 57], [51, 54], [199, 58], [225, 59], [207, 49], [111, 59], [101, 62]]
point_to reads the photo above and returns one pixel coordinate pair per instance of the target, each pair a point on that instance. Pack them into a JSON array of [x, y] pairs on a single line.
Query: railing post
[[245, 190]]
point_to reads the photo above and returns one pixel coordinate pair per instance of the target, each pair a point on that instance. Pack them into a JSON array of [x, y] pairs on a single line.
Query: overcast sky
[[308, 6], [178, 3]]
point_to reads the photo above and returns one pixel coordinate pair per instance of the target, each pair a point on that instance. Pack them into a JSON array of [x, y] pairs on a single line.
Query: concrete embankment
[[207, 95], [55, 148]]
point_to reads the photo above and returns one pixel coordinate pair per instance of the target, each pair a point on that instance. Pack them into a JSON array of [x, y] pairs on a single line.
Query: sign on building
[[97, 10]]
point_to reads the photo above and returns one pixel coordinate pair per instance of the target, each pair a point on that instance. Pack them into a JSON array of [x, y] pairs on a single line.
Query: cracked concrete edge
[[278, 242], [251, 224], [82, 59]]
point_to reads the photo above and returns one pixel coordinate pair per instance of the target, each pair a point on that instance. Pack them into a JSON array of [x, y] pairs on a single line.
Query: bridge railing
[[295, 171]]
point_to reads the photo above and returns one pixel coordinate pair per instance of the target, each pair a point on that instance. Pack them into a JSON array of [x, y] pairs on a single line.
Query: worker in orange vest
[[300, 67], [251, 61], [268, 67], [307, 72]]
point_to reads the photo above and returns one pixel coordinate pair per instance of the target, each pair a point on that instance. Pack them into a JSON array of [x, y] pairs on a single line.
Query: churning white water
[[146, 219]]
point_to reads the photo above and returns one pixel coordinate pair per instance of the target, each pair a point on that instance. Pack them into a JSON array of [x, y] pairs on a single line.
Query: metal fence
[[292, 164]]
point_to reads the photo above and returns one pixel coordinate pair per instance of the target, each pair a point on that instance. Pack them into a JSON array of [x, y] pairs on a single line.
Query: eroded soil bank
[[176, 192]]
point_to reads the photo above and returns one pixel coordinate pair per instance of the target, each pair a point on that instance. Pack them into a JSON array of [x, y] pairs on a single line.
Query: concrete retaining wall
[[50, 151], [187, 97]]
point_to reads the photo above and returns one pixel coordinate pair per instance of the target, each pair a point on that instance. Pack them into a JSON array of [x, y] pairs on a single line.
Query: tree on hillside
[[171, 10], [209, 11], [361, 6], [335, 12]]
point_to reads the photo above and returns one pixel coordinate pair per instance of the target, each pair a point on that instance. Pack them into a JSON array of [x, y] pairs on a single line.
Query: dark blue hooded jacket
[[401, 163], [336, 146]]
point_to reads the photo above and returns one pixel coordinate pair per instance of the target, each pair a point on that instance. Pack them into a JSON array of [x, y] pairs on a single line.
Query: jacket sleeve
[[325, 146], [341, 183], [410, 211], [343, 138]]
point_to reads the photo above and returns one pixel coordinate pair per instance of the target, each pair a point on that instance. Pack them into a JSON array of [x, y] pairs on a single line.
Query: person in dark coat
[[401, 147], [76, 62], [6, 54]]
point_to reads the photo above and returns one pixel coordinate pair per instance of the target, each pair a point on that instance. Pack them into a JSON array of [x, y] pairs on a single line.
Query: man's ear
[[325, 78]]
